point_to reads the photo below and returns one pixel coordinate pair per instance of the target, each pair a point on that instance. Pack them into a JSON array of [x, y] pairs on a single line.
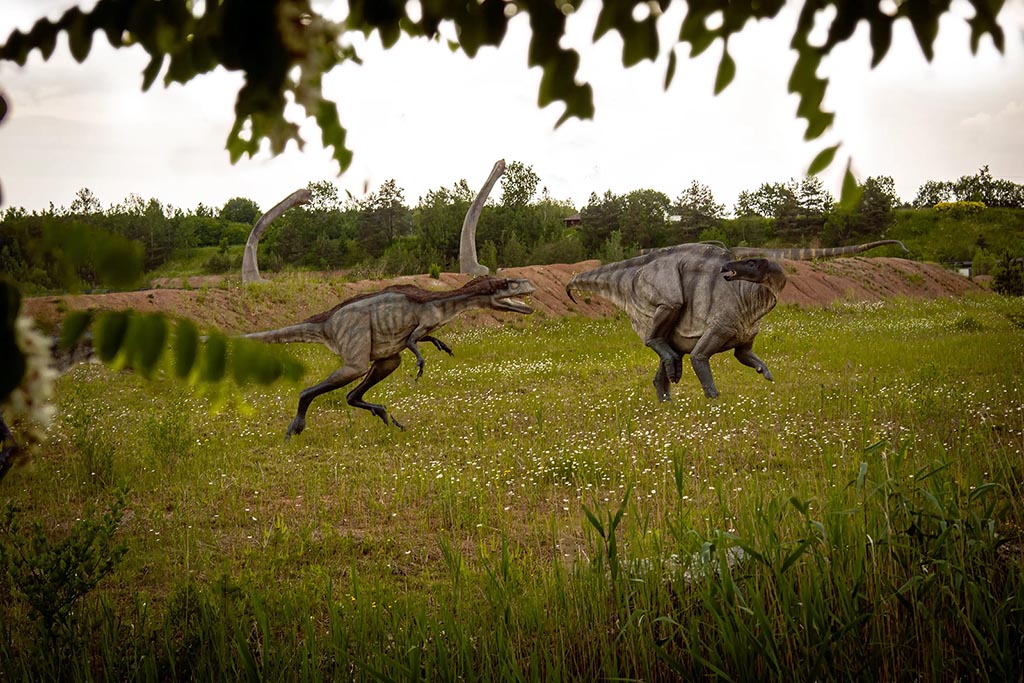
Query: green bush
[[220, 262], [960, 208], [52, 576], [1008, 276]]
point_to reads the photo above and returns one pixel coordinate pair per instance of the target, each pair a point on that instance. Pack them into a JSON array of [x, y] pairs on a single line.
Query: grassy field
[[543, 517]]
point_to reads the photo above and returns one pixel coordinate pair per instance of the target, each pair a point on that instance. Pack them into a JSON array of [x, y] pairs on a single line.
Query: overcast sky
[[427, 118]]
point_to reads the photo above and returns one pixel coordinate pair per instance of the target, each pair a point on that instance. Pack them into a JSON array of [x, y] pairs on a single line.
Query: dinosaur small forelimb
[[420, 362], [441, 346]]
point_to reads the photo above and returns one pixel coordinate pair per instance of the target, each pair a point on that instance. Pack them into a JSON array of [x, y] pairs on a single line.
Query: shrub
[[219, 263], [53, 576], [1008, 276], [983, 262], [958, 209]]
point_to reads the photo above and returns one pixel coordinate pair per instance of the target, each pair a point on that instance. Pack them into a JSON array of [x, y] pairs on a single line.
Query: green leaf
[[851, 190], [79, 34], [215, 358], [822, 160], [726, 71], [594, 521], [43, 36], [151, 71], [110, 330], [881, 38], [186, 348], [800, 505], [73, 327], [119, 261], [243, 360], [796, 554], [145, 341]]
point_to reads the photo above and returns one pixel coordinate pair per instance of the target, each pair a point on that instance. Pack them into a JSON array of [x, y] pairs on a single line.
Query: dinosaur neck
[[449, 307], [763, 295]]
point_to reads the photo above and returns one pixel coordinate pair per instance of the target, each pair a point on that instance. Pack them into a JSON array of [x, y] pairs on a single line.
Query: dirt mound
[[224, 304]]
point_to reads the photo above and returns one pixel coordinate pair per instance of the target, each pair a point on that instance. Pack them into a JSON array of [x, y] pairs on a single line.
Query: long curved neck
[[468, 262]]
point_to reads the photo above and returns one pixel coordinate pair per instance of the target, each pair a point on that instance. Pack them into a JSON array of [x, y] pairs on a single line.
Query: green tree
[[385, 218], [813, 198], [513, 252], [240, 210], [644, 218], [877, 201], [771, 200], [1008, 276], [324, 196], [613, 250], [696, 210], [86, 203], [437, 223], [982, 187], [932, 193], [599, 219], [518, 184]]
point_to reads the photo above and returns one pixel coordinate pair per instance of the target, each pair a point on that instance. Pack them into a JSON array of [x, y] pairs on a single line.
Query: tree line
[[382, 235]]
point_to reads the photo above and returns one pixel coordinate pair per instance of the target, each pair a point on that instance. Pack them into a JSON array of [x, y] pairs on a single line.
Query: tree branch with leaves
[[285, 47]]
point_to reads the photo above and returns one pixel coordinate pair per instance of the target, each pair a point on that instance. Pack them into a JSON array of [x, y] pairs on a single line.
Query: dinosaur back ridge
[[484, 284]]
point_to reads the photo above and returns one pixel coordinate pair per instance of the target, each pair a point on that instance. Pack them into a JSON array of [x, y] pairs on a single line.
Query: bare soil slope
[[224, 304]]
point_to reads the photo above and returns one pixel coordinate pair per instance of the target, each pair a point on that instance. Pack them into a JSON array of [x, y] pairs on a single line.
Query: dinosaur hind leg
[[378, 371], [335, 380], [670, 369], [711, 343]]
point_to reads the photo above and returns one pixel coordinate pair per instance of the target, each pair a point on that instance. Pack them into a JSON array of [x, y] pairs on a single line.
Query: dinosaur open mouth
[[513, 304], [729, 274]]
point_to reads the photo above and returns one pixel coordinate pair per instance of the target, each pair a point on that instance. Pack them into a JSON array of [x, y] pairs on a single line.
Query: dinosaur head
[[759, 270], [504, 297]]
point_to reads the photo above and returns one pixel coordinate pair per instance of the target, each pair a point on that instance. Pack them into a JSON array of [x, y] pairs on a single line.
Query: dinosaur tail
[[303, 332], [606, 281], [811, 254]]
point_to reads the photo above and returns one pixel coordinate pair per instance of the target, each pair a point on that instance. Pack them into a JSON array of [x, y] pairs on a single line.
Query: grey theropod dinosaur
[[698, 299], [369, 332]]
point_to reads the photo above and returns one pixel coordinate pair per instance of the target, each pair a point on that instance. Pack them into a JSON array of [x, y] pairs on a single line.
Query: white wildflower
[[29, 403]]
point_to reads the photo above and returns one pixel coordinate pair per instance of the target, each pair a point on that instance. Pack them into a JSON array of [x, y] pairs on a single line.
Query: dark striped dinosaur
[[369, 332], [699, 299]]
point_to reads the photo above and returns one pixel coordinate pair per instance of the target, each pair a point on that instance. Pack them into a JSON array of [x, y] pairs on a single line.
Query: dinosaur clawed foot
[[661, 386], [296, 427], [766, 373]]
